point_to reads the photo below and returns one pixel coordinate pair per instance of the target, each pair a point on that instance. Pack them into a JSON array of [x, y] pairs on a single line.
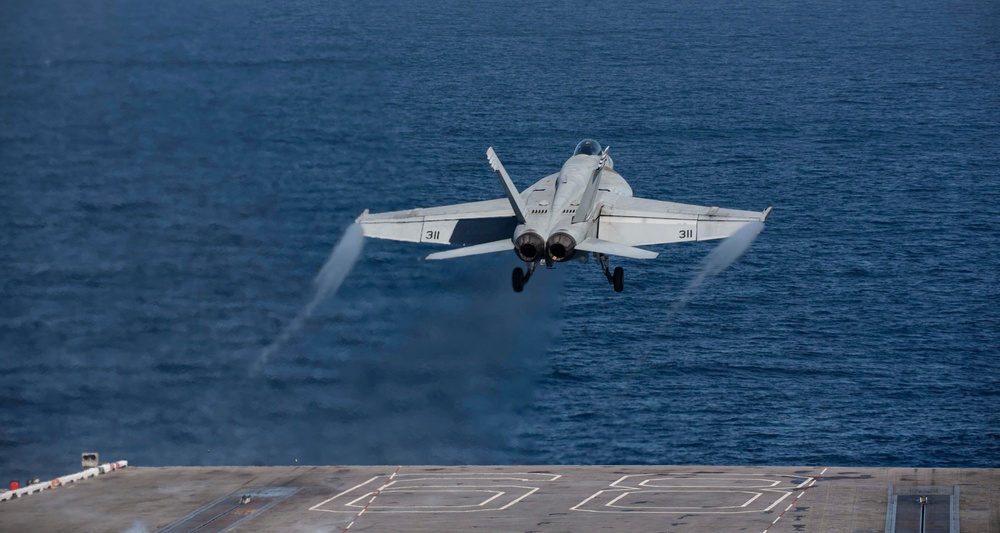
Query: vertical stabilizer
[[508, 186]]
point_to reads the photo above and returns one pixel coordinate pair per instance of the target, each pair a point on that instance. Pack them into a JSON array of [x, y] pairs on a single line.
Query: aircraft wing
[[638, 221], [460, 224]]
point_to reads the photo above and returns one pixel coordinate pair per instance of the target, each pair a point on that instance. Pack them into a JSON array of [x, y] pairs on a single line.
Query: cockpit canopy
[[587, 147]]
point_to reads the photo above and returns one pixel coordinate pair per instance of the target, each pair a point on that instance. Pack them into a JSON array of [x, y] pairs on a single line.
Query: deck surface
[[495, 498]]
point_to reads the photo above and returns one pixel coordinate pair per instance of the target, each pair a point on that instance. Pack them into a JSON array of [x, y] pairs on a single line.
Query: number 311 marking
[[687, 233], [433, 236]]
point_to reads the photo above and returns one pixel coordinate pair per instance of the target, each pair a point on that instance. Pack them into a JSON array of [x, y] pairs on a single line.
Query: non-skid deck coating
[[496, 498]]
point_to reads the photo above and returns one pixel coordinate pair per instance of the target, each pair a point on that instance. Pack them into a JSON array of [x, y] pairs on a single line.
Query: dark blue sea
[[173, 175]]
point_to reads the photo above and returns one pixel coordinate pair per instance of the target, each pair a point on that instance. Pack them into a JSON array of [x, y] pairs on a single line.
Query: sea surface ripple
[[174, 175]]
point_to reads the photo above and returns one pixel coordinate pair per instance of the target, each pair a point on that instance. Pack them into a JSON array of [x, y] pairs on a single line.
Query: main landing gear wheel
[[619, 279], [517, 278]]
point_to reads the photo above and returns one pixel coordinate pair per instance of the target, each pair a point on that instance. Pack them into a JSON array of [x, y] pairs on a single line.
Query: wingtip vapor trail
[[720, 258], [330, 277]]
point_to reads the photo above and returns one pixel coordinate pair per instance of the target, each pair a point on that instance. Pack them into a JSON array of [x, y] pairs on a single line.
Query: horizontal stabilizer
[[613, 248], [485, 248]]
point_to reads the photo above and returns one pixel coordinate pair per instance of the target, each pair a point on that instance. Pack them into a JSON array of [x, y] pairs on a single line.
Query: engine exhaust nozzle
[[529, 246], [560, 247]]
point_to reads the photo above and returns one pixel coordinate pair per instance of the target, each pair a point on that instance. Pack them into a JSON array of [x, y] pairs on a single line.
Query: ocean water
[[173, 176]]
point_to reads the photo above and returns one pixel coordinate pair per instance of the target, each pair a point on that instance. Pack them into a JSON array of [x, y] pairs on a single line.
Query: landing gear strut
[[618, 278], [519, 277]]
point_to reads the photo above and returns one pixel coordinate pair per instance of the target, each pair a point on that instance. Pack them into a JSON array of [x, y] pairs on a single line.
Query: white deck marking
[[532, 491], [495, 496], [504, 489], [377, 492], [614, 501], [811, 483], [584, 502], [768, 483], [358, 486], [354, 502], [764, 493], [773, 505], [759, 494], [685, 508], [623, 478], [525, 476]]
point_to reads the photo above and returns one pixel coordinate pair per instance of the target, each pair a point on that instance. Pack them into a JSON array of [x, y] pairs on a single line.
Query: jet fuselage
[[549, 232]]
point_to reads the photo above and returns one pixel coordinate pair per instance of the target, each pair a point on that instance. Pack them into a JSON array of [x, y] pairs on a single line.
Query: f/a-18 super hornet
[[586, 208]]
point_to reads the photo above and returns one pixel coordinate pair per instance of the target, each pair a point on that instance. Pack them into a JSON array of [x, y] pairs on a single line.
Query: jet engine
[[560, 247], [529, 246]]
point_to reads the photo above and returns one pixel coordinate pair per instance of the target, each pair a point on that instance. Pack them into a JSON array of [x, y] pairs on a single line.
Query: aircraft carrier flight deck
[[509, 498]]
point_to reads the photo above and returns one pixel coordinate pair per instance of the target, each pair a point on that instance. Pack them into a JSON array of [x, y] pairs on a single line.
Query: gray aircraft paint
[[548, 224]]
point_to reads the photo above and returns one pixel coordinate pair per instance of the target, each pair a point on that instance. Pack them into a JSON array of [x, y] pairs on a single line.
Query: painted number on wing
[[433, 236], [687, 233]]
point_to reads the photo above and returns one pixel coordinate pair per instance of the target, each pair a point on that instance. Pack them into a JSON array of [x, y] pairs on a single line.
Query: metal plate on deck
[[932, 509], [232, 509]]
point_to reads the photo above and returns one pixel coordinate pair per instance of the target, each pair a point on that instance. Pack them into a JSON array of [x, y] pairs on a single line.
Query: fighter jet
[[585, 209]]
